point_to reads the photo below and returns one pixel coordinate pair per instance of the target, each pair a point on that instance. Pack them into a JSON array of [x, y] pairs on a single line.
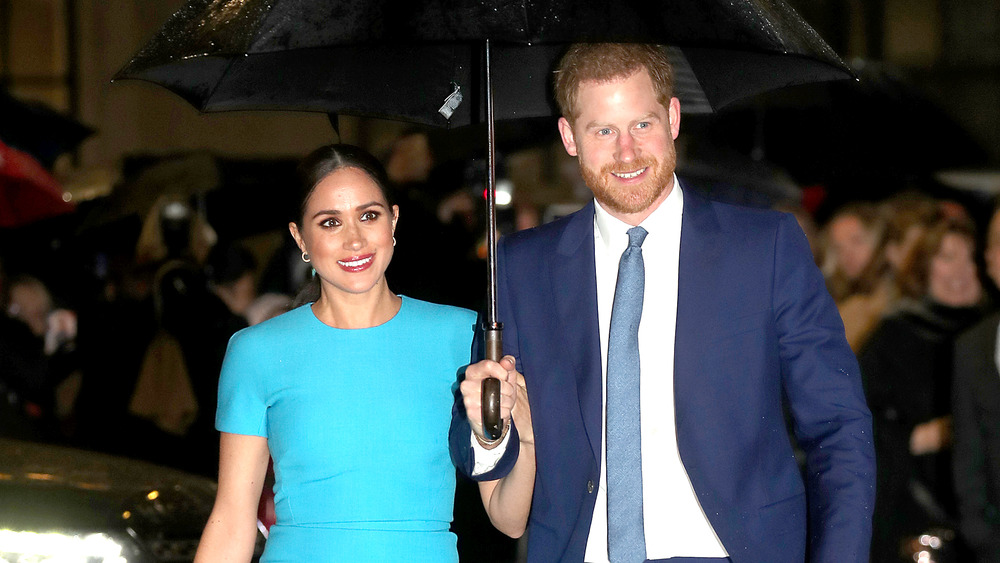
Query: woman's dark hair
[[328, 159]]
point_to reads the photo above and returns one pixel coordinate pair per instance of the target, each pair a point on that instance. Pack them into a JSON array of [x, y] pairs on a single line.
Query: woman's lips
[[356, 263]]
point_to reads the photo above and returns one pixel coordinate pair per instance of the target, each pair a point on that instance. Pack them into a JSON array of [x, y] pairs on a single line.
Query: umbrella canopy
[[403, 60], [39, 130], [431, 62], [28, 192]]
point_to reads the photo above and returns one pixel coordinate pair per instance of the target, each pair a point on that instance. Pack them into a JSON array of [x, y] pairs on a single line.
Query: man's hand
[[472, 391]]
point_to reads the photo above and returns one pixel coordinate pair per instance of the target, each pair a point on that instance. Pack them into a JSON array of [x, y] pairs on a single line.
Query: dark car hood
[[52, 488]]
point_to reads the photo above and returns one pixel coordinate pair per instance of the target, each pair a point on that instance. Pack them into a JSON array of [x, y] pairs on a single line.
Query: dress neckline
[[403, 305]]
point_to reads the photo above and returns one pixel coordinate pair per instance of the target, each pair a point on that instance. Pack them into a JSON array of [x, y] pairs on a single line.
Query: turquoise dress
[[357, 423]]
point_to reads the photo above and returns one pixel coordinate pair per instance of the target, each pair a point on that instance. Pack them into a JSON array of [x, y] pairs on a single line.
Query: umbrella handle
[[492, 425]]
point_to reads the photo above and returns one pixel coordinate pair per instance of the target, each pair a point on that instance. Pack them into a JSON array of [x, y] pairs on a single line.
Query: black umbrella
[[443, 61], [403, 59], [38, 129]]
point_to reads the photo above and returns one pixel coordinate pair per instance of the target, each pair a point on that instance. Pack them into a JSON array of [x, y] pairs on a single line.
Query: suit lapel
[[697, 287], [573, 267]]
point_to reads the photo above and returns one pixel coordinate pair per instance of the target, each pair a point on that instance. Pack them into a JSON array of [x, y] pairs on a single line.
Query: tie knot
[[636, 235]]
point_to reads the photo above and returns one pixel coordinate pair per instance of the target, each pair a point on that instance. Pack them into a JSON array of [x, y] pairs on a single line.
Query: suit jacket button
[[590, 486]]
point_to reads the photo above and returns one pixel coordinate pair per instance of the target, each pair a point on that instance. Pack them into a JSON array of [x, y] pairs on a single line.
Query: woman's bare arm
[[232, 527]]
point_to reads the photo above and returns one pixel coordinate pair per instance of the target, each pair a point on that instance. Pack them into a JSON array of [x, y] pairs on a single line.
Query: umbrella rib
[[232, 60], [528, 33]]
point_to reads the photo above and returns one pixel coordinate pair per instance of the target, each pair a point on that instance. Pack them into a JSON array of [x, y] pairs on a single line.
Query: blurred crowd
[[912, 277], [135, 372]]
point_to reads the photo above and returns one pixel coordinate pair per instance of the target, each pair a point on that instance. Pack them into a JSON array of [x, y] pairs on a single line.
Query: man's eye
[[642, 125], [604, 132]]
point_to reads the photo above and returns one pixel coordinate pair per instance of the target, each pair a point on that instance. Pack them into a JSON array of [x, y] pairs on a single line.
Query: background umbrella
[[28, 192], [868, 138], [183, 176], [431, 61], [38, 129]]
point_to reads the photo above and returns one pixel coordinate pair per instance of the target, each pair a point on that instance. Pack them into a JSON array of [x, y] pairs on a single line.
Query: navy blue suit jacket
[[754, 323]]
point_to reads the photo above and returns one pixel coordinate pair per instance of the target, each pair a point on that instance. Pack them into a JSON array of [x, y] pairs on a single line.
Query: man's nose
[[626, 148]]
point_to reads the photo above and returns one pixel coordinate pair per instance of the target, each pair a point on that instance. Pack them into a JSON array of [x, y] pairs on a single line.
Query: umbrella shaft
[[491, 232]]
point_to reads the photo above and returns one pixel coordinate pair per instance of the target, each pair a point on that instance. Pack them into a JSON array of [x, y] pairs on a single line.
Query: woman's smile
[[356, 263]]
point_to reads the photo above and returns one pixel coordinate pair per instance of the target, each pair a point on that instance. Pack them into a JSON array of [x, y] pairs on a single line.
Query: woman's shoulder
[[277, 327], [426, 311]]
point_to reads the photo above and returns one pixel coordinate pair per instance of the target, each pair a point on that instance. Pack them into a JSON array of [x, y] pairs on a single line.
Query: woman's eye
[[331, 222], [369, 215]]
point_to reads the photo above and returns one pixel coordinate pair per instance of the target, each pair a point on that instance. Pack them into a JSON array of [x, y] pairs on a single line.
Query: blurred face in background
[[993, 249], [31, 303], [952, 278], [852, 245], [411, 159]]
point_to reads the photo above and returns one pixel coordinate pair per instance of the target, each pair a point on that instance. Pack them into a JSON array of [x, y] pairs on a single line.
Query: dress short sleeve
[[242, 393]]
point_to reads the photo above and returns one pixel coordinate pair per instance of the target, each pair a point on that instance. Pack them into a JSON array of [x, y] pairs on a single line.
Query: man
[[734, 315], [976, 418]]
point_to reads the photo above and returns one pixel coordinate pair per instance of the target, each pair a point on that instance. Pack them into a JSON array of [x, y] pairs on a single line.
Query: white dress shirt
[[675, 524]]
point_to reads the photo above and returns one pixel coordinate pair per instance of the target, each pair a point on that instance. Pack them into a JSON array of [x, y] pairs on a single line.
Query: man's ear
[[674, 113], [566, 132]]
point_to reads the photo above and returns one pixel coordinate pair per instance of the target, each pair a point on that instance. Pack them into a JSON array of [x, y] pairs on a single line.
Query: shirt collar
[[613, 233]]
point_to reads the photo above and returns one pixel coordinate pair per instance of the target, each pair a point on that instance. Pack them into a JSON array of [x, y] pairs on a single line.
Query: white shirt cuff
[[486, 460]]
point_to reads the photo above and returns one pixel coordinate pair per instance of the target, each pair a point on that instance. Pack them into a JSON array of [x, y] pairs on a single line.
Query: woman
[[350, 395], [906, 366], [853, 238], [901, 221]]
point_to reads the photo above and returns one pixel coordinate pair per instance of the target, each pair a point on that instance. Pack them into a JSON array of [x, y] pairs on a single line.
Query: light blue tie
[[626, 541]]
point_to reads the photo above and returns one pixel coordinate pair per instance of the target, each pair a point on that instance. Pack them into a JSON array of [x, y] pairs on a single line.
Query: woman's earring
[[305, 257], [394, 241]]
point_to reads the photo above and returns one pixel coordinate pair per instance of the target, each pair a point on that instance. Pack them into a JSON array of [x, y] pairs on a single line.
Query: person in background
[[907, 366], [232, 272], [853, 239], [176, 387], [349, 394], [24, 373], [976, 427], [876, 292], [46, 361]]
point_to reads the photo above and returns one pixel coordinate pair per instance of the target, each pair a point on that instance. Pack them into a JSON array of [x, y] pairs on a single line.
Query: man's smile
[[629, 175]]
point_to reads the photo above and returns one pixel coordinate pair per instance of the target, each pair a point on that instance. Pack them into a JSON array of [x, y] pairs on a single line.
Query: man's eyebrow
[[600, 124]]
